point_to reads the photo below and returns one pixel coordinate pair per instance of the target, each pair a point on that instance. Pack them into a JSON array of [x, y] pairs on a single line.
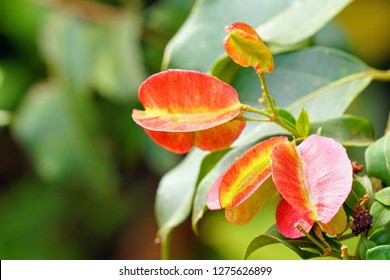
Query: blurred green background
[[77, 177]]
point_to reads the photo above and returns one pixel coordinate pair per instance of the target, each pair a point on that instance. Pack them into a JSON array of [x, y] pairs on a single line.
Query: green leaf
[[287, 117], [303, 124], [196, 45], [381, 252], [366, 183], [383, 196], [225, 69], [209, 162], [103, 54], [63, 141], [302, 246], [364, 245], [358, 191], [175, 192], [378, 159], [380, 215], [381, 237], [347, 130]]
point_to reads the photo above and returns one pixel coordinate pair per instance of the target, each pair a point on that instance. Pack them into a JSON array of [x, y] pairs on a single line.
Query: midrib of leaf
[[327, 88]]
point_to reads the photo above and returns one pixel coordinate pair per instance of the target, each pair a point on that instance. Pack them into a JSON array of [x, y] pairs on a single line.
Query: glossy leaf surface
[[174, 197], [381, 252], [383, 196], [348, 130], [364, 246], [272, 236], [184, 101], [283, 22], [378, 159], [380, 215]]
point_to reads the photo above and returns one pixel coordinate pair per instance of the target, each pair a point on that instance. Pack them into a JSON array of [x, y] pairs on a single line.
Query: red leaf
[[287, 217], [177, 142], [185, 101], [212, 139]]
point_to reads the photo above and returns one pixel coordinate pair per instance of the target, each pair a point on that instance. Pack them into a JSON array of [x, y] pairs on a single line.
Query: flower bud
[[362, 220]]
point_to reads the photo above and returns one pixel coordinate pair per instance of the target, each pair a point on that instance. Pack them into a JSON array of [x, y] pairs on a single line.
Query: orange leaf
[[246, 48], [184, 101], [247, 173]]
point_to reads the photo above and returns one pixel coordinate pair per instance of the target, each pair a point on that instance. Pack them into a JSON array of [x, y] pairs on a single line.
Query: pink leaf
[[314, 179]]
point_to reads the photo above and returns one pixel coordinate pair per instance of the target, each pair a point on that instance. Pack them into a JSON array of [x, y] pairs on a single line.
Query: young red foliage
[[184, 101], [245, 47]]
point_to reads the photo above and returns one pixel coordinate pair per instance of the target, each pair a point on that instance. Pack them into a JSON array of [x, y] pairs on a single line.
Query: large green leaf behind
[[199, 42]]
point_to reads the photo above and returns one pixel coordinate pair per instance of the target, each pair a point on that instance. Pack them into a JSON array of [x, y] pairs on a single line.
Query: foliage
[[322, 197], [78, 177], [75, 176]]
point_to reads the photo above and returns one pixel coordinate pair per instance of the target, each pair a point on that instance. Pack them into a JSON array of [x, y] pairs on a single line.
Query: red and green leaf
[[314, 179], [243, 213], [244, 176], [245, 47], [185, 101]]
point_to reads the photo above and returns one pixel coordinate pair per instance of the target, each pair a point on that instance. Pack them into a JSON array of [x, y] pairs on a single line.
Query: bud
[[246, 48], [362, 220], [356, 167]]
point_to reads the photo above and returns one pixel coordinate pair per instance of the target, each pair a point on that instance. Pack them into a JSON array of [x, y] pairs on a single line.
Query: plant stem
[[380, 75], [249, 108], [346, 237], [165, 243], [256, 119], [327, 251], [266, 96]]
